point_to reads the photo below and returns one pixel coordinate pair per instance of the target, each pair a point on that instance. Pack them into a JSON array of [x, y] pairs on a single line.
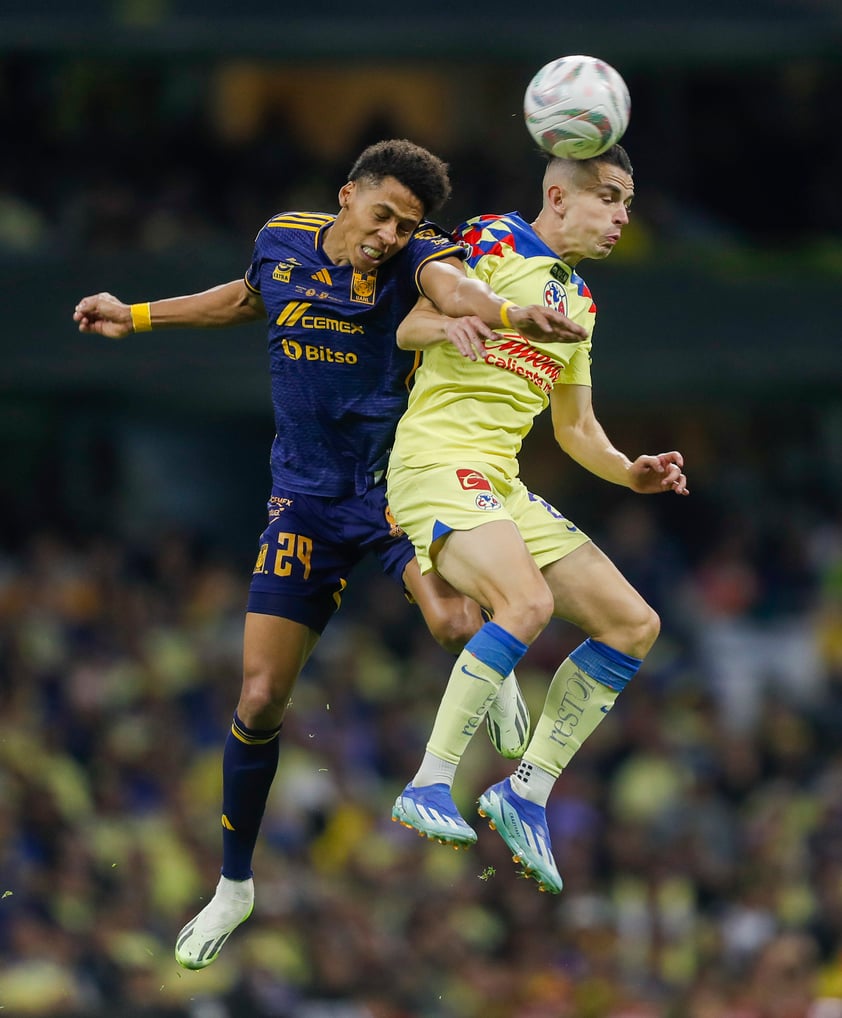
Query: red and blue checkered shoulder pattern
[[499, 235], [495, 234]]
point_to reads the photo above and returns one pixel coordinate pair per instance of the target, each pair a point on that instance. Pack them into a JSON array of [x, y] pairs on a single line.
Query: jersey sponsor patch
[[283, 270], [523, 359], [277, 504], [471, 479]]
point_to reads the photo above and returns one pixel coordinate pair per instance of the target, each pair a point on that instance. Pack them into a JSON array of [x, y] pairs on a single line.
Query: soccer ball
[[576, 107]]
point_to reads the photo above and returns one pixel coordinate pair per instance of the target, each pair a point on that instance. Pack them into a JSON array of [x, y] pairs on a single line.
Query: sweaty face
[[374, 223], [595, 209]]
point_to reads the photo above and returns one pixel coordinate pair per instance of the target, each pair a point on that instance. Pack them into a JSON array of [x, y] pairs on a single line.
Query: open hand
[[545, 324], [468, 335]]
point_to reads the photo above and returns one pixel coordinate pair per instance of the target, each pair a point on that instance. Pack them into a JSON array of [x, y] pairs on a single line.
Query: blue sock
[[249, 762], [611, 667], [496, 647]]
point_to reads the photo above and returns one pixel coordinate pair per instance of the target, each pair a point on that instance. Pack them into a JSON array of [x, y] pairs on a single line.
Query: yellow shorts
[[429, 502]]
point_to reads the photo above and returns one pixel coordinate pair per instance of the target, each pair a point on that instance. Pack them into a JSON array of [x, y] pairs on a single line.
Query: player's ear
[[345, 193], [555, 198]]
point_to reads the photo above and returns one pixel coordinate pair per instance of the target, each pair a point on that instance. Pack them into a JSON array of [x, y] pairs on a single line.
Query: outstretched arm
[[583, 438], [227, 304], [457, 296], [426, 326]]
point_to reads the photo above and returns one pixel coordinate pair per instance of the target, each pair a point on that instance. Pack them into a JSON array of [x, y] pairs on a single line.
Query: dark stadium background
[[700, 831]]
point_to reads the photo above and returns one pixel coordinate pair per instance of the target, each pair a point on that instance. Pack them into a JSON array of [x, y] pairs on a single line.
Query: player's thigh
[[430, 502], [491, 564], [275, 650], [592, 593]]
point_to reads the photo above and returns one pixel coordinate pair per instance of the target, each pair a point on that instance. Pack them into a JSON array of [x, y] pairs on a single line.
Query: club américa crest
[[555, 296]]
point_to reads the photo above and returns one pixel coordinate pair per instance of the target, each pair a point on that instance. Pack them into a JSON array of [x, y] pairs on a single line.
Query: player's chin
[[603, 249]]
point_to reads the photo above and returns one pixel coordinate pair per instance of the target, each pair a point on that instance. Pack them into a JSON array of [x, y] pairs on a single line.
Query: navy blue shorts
[[310, 547]]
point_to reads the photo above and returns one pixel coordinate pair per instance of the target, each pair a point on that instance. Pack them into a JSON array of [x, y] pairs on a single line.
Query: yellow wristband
[[504, 313], [141, 317]]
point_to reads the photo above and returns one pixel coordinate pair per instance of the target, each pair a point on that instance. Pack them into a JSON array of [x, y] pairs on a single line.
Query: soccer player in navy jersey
[[334, 289], [454, 485]]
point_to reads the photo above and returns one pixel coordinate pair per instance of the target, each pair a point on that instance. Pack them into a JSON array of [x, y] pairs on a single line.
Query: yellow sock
[[471, 688], [575, 705]]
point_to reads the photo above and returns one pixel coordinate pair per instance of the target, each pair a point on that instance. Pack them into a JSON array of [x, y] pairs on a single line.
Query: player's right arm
[[582, 437], [425, 326], [227, 304], [457, 295]]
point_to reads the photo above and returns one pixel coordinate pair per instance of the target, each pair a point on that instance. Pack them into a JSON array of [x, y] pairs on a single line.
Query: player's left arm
[[457, 295], [583, 438]]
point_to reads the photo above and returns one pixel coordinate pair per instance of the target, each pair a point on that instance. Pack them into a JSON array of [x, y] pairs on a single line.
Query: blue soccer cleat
[[430, 810], [523, 826]]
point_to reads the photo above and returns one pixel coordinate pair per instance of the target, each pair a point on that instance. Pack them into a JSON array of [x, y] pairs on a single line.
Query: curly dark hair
[[417, 169]]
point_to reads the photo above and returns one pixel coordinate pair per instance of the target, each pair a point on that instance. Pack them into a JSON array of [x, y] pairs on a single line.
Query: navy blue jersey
[[339, 381]]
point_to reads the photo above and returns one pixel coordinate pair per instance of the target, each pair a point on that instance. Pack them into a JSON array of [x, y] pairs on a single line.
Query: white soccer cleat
[[508, 720], [201, 940]]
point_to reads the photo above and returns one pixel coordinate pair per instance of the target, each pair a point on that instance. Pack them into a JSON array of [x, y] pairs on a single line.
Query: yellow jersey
[[463, 410]]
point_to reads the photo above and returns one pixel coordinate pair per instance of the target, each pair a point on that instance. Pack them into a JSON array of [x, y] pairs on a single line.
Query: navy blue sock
[[249, 762]]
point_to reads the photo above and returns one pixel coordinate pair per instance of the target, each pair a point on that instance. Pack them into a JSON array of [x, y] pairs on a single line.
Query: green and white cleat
[[201, 940], [508, 720]]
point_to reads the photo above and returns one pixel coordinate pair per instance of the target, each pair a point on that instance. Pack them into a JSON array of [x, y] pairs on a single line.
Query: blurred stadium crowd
[[699, 832]]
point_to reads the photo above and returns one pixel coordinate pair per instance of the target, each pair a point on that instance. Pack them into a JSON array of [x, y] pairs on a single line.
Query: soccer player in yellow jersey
[[453, 485]]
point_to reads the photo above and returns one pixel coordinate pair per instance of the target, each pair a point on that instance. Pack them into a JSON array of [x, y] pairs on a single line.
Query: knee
[[526, 613], [536, 612], [643, 630], [263, 701], [452, 627]]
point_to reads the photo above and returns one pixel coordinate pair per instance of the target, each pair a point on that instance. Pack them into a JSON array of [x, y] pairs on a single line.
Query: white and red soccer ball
[[576, 107]]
